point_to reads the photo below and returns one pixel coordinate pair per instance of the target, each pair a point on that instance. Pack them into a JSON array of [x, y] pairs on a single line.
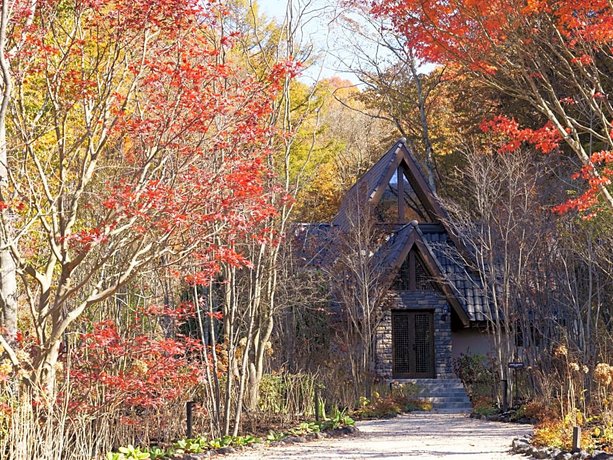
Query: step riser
[[446, 396], [442, 388], [451, 411]]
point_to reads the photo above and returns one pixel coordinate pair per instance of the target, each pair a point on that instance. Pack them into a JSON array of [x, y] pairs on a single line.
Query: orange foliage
[[553, 54]]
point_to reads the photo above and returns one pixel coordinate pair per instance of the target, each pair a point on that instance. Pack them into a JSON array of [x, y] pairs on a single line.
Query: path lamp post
[[189, 414], [515, 366]]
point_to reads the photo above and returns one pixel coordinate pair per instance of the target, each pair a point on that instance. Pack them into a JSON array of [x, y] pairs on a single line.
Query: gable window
[[414, 276], [399, 202], [411, 207], [387, 209]]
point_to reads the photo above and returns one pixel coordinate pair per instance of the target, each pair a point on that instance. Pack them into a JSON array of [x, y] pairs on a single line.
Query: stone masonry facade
[[416, 300]]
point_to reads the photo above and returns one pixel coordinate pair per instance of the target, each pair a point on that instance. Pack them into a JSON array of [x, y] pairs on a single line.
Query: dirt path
[[423, 435]]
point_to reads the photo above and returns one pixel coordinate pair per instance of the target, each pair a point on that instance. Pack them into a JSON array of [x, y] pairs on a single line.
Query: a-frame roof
[[394, 252], [373, 182], [444, 255], [371, 185]]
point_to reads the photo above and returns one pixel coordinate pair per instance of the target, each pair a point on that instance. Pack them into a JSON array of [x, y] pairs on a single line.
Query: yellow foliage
[[552, 433]]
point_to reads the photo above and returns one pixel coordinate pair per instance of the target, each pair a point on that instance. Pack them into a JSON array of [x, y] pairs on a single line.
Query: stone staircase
[[446, 395]]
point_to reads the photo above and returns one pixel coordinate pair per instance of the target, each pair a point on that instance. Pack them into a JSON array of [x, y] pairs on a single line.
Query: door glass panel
[[423, 343], [401, 343], [412, 344]]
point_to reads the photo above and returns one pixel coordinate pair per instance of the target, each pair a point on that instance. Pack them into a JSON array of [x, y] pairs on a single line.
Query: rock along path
[[420, 435]]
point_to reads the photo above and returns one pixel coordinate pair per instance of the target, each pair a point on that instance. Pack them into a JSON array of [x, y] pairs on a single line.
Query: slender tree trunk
[[425, 134], [8, 271], [45, 370]]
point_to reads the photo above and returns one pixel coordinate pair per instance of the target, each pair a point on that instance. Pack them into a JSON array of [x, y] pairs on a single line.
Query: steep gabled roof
[[443, 254], [458, 272], [372, 184], [394, 252]]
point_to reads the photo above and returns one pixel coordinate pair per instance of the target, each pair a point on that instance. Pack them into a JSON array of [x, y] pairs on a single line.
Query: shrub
[[339, 420], [129, 453], [476, 374], [551, 433], [559, 433], [484, 405], [540, 410], [401, 398], [290, 394], [418, 404]]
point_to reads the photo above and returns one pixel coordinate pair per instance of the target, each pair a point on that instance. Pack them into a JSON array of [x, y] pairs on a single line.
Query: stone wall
[[416, 300]]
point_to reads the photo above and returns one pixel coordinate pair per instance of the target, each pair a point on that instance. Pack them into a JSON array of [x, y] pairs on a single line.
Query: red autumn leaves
[[552, 54]]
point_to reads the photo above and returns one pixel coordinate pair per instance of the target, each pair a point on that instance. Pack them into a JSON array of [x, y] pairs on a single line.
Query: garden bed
[[201, 448], [512, 416]]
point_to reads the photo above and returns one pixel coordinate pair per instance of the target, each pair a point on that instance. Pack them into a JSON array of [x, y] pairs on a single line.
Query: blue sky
[[319, 31], [273, 8]]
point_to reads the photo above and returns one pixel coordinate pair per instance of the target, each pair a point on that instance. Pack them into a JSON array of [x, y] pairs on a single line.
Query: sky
[[273, 8], [321, 32]]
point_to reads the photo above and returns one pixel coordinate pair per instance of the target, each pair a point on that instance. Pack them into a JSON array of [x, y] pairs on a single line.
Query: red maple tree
[[555, 55], [135, 141]]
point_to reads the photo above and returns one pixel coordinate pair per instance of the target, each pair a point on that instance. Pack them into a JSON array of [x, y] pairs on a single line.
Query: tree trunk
[[425, 135], [8, 272], [43, 378], [8, 289]]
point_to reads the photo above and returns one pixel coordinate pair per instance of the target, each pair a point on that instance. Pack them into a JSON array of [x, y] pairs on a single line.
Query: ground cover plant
[[200, 445]]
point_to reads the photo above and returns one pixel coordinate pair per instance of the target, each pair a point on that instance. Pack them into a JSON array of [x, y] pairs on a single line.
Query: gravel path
[[423, 435]]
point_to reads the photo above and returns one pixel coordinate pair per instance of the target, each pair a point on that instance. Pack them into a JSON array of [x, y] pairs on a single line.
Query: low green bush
[[339, 420], [183, 446], [129, 453], [200, 445]]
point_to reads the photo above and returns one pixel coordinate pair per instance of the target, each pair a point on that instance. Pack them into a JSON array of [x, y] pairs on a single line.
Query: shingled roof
[[460, 285], [444, 255], [396, 249], [465, 280]]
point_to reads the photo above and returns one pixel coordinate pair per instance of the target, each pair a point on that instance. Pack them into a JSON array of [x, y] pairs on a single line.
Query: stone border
[[523, 446], [504, 417]]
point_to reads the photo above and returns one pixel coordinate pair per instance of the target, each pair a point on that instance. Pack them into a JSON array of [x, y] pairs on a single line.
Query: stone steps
[[446, 395]]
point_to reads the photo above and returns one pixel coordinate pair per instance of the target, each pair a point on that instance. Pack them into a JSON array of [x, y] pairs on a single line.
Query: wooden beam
[[412, 273], [427, 198], [380, 188], [421, 187], [401, 203]]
